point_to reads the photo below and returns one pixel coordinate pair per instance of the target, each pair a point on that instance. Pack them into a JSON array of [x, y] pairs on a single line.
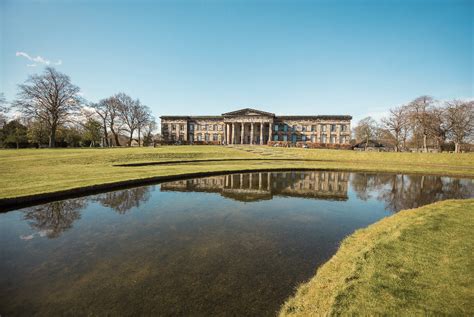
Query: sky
[[209, 57]]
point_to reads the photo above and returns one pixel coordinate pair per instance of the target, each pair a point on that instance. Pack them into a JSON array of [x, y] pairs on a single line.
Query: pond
[[234, 244]]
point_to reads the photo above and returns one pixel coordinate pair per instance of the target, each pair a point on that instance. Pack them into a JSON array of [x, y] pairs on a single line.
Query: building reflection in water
[[264, 185]]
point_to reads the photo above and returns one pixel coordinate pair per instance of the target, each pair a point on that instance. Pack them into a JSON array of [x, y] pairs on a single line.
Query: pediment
[[249, 112]]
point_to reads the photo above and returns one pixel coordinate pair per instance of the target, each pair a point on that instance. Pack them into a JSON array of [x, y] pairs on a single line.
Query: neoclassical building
[[250, 126]]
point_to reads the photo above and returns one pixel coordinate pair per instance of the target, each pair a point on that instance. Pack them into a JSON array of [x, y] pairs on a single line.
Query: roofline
[[232, 113], [323, 117]]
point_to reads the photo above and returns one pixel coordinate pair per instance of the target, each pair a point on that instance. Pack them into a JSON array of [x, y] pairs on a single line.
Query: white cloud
[[37, 60]]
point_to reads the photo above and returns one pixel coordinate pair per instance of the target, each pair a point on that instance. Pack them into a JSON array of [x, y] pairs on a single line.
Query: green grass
[[416, 262], [32, 171]]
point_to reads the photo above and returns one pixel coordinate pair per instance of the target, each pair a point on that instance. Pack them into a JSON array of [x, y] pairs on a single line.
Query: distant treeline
[[50, 112]]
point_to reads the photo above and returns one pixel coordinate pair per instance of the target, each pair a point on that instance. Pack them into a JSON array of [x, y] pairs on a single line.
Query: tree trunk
[[106, 137], [139, 137], [131, 138], [456, 147], [117, 143], [52, 138], [425, 147]]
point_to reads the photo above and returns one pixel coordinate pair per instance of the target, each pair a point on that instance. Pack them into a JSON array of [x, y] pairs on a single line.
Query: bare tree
[[396, 124], [437, 125], [129, 112], [366, 130], [420, 118], [111, 106], [148, 130], [460, 121], [144, 116], [3, 110], [102, 111], [50, 97]]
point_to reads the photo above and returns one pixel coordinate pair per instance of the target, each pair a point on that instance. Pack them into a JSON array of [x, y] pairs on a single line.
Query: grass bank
[[32, 172], [416, 262]]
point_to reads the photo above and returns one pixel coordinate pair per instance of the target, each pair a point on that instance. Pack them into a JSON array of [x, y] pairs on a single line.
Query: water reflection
[[409, 191], [52, 219], [123, 200], [264, 185]]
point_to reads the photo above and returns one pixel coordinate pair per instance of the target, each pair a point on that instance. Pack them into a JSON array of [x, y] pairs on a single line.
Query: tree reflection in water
[[54, 218], [123, 200], [409, 191]]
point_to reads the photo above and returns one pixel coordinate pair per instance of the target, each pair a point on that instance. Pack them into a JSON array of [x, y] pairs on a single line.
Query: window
[[323, 138], [303, 128], [199, 137], [323, 128], [342, 140], [303, 138], [333, 128], [191, 127], [293, 129], [332, 139], [313, 138], [313, 128], [275, 137], [285, 137], [343, 127], [215, 127], [215, 137], [285, 128], [276, 127], [207, 137]]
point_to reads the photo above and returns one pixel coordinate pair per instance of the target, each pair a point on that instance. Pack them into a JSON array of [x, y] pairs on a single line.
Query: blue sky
[[209, 57]]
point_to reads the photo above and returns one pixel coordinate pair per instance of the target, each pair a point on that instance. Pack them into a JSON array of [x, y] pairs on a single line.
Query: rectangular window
[[303, 138], [313, 138], [275, 137], [191, 127], [276, 127], [207, 137], [285, 137], [332, 140], [313, 128], [333, 128], [215, 137], [285, 128], [323, 128], [199, 137], [323, 138]]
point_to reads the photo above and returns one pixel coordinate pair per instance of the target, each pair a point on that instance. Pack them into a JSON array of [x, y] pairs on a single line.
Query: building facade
[[250, 126]]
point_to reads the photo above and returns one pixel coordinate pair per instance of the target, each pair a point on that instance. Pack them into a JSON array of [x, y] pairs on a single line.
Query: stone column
[[261, 133], [233, 133], [338, 133], [178, 126], [270, 129], [242, 130], [227, 135], [251, 133]]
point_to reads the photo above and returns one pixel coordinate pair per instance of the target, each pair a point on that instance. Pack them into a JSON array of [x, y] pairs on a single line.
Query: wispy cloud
[[37, 60]]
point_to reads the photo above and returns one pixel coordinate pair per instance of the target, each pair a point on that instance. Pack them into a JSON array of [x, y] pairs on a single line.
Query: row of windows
[[304, 138], [207, 137], [312, 128]]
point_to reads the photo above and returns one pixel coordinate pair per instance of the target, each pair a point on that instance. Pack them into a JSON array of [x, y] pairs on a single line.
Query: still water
[[224, 245]]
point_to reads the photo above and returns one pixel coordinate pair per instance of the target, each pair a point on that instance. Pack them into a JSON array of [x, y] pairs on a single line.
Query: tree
[[437, 125], [103, 112], [111, 106], [14, 133], [50, 97], [148, 132], [144, 117], [396, 124], [420, 118], [460, 121], [366, 130], [3, 110], [129, 111], [92, 132]]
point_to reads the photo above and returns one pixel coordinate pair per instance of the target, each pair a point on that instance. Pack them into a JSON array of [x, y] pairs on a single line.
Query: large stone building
[[250, 126]]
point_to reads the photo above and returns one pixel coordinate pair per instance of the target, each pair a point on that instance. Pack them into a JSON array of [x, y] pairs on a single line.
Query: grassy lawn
[[31, 171], [416, 262]]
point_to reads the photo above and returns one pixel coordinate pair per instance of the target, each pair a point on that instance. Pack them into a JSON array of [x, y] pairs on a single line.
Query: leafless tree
[[49, 97], [102, 111], [420, 118], [129, 113], [437, 125], [3, 109], [460, 121], [366, 130], [144, 117], [148, 130], [396, 124], [111, 106]]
